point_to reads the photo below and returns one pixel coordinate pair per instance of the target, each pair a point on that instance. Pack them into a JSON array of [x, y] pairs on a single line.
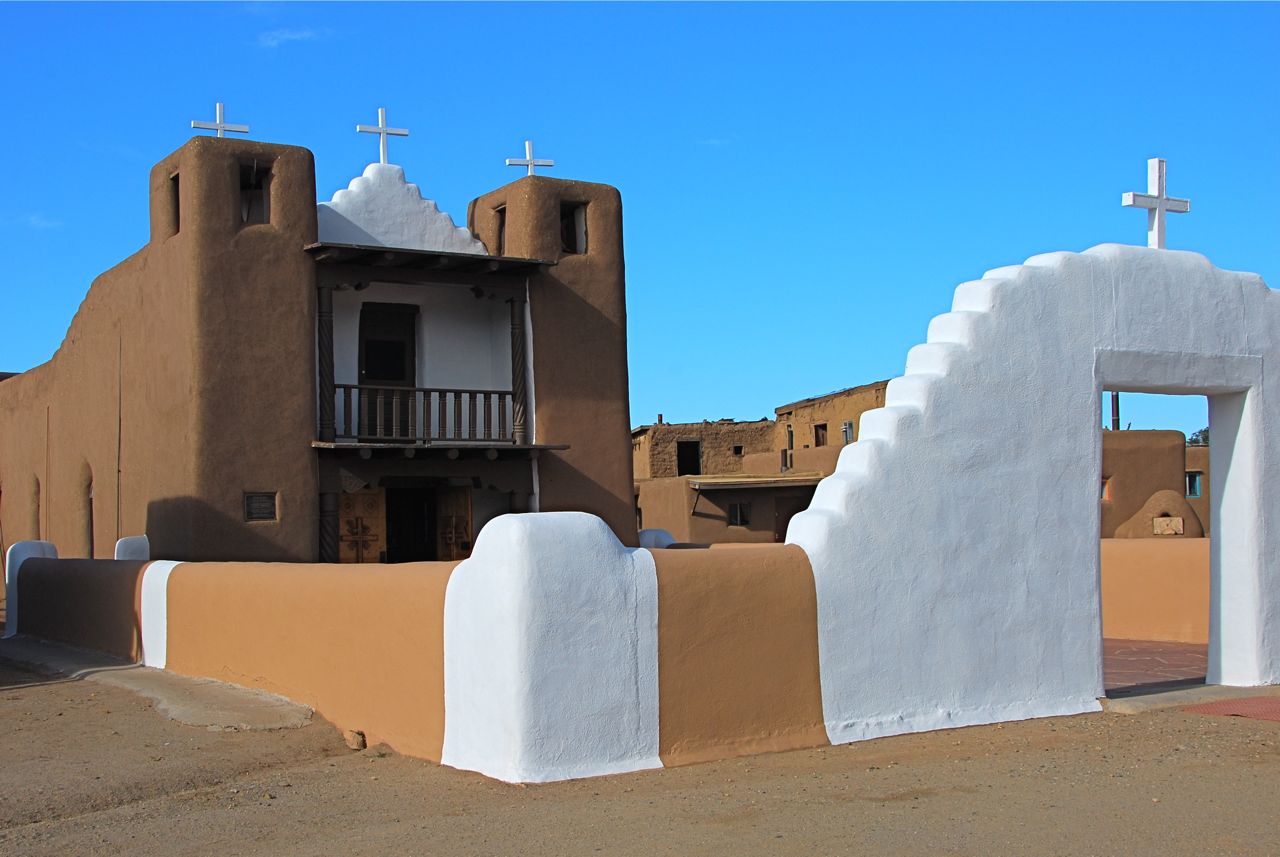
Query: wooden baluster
[[362, 407], [348, 429], [502, 416], [381, 404], [488, 416], [395, 413], [413, 414], [441, 426], [471, 409], [457, 416]]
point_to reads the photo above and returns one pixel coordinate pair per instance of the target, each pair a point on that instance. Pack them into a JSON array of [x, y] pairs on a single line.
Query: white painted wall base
[[551, 652], [18, 553]]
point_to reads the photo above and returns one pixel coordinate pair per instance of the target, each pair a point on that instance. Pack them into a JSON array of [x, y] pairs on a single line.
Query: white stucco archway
[[954, 548]]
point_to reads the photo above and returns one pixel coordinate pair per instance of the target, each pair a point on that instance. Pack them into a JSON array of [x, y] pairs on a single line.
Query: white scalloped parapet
[[381, 209], [551, 652], [18, 553], [955, 548]]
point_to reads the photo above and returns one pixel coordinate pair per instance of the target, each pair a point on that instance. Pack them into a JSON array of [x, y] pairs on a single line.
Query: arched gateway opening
[[955, 549]]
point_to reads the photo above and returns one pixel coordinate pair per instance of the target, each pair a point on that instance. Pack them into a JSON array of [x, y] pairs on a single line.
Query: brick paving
[[1135, 666]]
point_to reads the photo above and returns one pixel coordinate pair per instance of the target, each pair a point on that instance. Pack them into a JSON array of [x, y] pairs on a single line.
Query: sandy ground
[[88, 769]]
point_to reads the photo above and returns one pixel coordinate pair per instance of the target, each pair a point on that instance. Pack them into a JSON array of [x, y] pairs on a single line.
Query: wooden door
[[388, 360], [362, 526], [453, 523]]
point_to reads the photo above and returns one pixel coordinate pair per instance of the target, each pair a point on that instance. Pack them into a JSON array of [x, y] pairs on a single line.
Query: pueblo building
[[727, 482], [359, 380]]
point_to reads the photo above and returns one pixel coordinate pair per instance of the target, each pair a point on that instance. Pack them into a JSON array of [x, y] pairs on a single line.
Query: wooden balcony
[[423, 415]]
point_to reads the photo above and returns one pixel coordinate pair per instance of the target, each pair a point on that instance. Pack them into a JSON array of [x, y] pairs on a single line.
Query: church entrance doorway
[[427, 519]]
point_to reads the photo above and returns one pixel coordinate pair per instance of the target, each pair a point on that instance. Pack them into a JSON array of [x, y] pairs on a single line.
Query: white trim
[[20, 552], [155, 613]]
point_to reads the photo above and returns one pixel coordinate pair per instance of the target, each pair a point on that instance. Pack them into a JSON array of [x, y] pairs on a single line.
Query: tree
[[1200, 438]]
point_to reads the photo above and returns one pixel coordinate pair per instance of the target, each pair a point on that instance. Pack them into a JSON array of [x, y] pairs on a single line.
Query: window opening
[[739, 514], [688, 458], [846, 431], [820, 434], [573, 227], [1193, 483], [255, 193]]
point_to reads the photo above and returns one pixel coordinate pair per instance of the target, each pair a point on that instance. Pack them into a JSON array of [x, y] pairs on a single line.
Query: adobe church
[[359, 380]]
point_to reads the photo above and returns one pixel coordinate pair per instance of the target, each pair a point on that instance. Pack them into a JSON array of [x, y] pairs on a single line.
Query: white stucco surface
[[955, 548], [133, 547], [382, 209], [154, 619], [18, 553], [551, 652], [656, 538]]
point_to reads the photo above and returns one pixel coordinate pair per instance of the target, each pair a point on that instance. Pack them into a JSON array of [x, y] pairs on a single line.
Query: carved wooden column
[[324, 355], [328, 526], [519, 384]]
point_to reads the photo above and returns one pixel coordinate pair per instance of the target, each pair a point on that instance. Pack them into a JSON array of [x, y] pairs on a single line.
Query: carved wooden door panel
[[362, 526], [453, 523]]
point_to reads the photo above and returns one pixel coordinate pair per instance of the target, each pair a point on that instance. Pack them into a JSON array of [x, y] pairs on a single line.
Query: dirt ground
[[87, 769]]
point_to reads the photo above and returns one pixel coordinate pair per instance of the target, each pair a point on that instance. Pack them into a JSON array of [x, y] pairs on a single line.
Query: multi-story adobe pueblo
[[272, 379]]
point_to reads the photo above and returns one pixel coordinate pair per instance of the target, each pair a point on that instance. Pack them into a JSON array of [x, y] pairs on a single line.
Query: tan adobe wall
[[1156, 589], [361, 644], [737, 653], [1135, 466], [186, 378], [718, 441], [579, 332], [1197, 458], [671, 505], [640, 455], [89, 604], [821, 460], [833, 410]]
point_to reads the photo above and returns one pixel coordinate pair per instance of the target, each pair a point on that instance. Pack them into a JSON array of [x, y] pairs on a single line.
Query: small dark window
[[1106, 490], [260, 505], [791, 438], [255, 192], [175, 202], [739, 514], [384, 358], [501, 212], [573, 227], [688, 458], [1193, 483], [737, 450], [820, 434]]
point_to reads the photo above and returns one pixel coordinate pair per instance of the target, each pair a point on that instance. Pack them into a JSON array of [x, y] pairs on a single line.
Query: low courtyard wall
[[1156, 589]]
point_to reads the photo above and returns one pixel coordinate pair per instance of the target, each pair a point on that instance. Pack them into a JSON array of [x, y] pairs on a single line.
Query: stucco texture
[[737, 653], [988, 539], [89, 604], [361, 644], [1155, 589]]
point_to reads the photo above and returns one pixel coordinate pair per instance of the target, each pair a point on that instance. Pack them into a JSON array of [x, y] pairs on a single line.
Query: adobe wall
[[1156, 589], [157, 395], [361, 644], [1197, 458], [1137, 465], [89, 604], [579, 341], [820, 460], [718, 439], [669, 504], [833, 409]]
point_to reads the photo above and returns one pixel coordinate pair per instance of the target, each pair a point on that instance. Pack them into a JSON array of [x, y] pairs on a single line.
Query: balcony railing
[[423, 415]]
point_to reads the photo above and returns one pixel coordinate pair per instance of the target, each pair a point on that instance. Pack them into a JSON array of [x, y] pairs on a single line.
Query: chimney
[[659, 419]]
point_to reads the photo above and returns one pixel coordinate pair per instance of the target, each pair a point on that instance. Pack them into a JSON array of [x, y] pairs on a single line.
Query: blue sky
[[804, 185]]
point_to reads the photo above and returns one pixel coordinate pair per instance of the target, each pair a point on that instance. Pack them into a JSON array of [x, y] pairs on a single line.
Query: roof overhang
[[394, 265], [720, 483]]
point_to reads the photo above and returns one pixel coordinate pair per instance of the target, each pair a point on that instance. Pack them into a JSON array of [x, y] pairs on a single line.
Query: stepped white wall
[[955, 548]]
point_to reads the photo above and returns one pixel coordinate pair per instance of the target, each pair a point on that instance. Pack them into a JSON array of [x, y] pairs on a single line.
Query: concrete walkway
[[190, 701]]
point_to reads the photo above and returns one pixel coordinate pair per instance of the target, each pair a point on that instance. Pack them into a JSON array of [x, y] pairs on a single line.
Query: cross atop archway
[[218, 124], [528, 160], [383, 132], [1157, 202]]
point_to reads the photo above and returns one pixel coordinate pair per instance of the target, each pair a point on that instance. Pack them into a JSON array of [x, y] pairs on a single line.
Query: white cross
[[218, 125], [1156, 202], [382, 131], [528, 159]]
